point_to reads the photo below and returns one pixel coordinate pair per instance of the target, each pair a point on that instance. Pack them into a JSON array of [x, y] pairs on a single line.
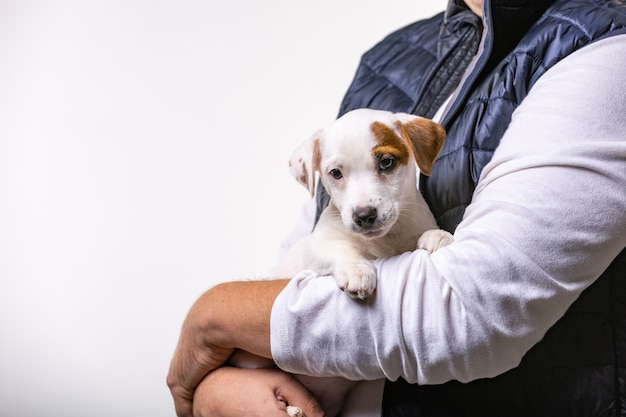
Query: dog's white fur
[[366, 161]]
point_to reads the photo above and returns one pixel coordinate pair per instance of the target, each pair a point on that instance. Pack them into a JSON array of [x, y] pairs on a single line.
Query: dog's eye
[[386, 163], [335, 173]]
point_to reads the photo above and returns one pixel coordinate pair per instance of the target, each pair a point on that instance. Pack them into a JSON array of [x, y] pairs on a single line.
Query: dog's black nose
[[364, 216]]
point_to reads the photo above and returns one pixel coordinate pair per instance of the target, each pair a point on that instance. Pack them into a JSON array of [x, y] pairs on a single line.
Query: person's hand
[[228, 316], [234, 392], [193, 359]]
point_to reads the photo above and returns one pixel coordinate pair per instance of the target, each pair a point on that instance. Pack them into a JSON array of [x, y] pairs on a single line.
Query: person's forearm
[[237, 315]]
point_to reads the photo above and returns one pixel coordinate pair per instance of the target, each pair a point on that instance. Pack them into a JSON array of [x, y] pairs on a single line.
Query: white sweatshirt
[[547, 218]]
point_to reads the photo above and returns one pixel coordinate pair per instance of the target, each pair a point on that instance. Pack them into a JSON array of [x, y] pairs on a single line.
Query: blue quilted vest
[[578, 368]]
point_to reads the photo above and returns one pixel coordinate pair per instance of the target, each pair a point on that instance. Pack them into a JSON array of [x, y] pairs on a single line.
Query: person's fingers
[[290, 391], [182, 401], [179, 389]]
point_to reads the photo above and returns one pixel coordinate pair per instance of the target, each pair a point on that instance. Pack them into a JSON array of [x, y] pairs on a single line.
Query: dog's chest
[[390, 245]]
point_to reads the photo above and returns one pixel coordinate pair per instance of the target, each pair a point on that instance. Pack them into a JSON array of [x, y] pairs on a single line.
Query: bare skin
[[475, 6]]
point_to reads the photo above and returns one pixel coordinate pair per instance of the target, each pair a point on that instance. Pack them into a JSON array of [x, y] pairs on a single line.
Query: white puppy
[[366, 161]]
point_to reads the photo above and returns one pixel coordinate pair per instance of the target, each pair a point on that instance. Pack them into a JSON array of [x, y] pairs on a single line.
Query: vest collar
[[504, 24]]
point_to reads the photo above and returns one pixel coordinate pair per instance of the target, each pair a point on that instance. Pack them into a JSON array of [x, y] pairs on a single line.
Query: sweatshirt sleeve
[[547, 218]]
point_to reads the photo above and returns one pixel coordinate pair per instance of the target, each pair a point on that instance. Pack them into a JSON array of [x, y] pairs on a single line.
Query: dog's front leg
[[338, 255], [433, 240], [357, 277]]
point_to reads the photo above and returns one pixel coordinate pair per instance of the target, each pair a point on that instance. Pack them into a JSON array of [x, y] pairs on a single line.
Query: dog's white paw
[[294, 411], [358, 279], [431, 240]]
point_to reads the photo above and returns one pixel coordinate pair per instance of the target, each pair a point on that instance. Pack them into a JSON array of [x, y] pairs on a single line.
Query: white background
[[143, 158]]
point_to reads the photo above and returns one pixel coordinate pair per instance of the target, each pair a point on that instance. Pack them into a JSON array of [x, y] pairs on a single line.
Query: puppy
[[366, 161]]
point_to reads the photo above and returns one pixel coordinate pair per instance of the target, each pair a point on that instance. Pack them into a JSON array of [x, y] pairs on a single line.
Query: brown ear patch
[[305, 161], [316, 155], [308, 172], [389, 143], [426, 140], [304, 173]]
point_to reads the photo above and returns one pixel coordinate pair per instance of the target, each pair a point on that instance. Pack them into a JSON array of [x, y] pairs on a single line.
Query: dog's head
[[366, 161]]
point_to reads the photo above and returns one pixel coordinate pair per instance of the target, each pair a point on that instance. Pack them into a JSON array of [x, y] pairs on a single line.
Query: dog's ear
[[305, 162], [425, 139]]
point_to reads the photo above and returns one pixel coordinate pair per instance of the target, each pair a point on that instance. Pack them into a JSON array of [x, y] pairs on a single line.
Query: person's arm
[[230, 315], [548, 216]]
